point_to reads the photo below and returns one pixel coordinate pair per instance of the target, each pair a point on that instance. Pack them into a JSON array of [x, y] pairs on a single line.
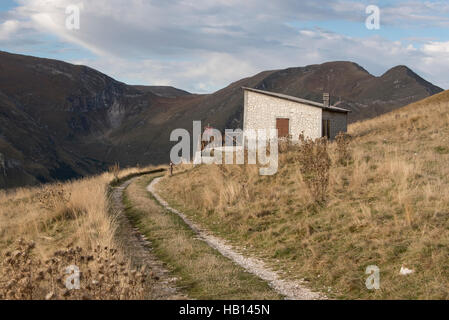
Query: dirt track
[[292, 290], [138, 249]]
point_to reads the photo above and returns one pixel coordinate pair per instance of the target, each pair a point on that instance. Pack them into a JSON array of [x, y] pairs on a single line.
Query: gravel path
[[138, 248], [292, 290]]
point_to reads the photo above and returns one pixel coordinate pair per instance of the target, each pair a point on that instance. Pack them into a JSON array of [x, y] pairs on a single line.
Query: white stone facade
[[261, 111]]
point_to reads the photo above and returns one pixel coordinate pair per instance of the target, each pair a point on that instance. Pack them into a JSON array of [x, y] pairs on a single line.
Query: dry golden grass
[[388, 206], [59, 216]]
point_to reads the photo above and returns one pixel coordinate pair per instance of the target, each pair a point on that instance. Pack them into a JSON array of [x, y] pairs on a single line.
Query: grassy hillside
[[389, 207]]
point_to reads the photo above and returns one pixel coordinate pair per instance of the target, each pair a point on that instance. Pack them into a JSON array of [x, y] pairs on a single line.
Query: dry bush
[[54, 196], [74, 214], [103, 275], [115, 170], [285, 144], [343, 141], [314, 164]]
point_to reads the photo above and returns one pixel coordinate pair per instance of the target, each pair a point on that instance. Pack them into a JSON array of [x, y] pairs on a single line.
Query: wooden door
[[326, 129], [283, 127]]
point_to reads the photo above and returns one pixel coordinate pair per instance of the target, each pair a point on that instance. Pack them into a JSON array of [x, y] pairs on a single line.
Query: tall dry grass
[[388, 205], [79, 217], [61, 216]]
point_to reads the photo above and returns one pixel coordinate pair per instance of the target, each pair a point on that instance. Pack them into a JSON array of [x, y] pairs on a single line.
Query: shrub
[[441, 150], [285, 144], [314, 163], [115, 170], [103, 275], [343, 150], [52, 197]]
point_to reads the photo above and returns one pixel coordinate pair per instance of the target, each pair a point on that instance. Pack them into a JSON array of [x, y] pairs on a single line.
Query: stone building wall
[[262, 110], [339, 122]]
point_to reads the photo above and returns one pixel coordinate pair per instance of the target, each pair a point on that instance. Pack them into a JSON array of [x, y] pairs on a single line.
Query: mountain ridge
[[63, 121]]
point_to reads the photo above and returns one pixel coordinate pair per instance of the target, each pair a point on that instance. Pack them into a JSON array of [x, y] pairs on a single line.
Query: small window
[[326, 129]]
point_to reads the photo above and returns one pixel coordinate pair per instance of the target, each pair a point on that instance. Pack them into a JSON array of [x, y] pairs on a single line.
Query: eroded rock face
[[115, 114], [54, 117], [2, 163], [12, 164]]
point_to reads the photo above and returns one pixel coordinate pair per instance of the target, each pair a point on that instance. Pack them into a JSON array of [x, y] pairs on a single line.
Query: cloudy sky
[[203, 45]]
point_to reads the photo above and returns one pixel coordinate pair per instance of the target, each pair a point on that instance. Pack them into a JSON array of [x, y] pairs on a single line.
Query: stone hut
[[292, 116]]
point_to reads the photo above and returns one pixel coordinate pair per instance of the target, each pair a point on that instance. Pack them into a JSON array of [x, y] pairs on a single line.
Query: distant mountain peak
[[402, 73], [401, 70]]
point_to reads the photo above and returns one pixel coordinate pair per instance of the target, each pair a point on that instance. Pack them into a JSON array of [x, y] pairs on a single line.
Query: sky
[[204, 45]]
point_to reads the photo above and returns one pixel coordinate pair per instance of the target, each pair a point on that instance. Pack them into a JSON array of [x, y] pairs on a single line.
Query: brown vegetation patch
[[102, 275]]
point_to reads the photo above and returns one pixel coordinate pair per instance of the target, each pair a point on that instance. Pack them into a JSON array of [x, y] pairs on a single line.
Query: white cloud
[[437, 48], [8, 28], [436, 61], [417, 13], [204, 45], [202, 74]]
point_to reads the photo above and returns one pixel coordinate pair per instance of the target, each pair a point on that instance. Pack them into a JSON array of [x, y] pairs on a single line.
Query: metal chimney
[[326, 100]]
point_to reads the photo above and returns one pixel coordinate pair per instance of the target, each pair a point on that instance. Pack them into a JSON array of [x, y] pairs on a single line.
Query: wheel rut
[[139, 250], [291, 290]]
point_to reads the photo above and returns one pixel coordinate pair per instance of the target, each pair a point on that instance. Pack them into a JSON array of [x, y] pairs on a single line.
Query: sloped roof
[[299, 100]]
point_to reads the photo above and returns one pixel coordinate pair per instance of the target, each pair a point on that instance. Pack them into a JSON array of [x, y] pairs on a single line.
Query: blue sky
[[203, 45], [7, 4]]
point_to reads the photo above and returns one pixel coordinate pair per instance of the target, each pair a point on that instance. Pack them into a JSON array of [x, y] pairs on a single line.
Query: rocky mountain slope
[[55, 118], [61, 121]]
